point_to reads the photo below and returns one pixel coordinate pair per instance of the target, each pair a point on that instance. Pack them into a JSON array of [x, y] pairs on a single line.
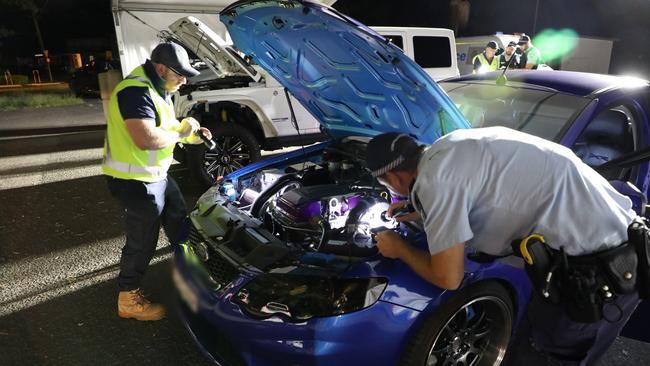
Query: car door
[[618, 129], [615, 130]]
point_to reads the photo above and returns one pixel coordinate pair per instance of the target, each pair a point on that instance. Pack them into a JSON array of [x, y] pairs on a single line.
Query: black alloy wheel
[[236, 148], [472, 328]]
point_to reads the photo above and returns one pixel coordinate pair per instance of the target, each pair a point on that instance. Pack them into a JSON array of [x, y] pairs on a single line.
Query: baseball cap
[[388, 151], [512, 44], [175, 57], [523, 39], [492, 45]]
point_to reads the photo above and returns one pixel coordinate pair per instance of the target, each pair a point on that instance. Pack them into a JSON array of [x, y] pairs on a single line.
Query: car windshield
[[543, 113]]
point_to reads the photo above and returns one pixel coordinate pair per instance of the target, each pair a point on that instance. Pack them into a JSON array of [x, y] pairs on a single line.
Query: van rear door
[[434, 49]]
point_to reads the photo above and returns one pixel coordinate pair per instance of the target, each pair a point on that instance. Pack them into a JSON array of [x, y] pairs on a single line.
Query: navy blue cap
[[175, 57], [492, 45], [512, 44]]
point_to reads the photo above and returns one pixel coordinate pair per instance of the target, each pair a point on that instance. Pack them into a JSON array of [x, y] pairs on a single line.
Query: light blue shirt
[[489, 186]]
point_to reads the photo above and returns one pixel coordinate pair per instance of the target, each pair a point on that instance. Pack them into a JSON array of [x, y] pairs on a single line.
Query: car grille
[[221, 271]]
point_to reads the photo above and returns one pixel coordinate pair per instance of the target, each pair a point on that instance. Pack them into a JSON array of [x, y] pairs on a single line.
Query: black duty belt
[[583, 284]]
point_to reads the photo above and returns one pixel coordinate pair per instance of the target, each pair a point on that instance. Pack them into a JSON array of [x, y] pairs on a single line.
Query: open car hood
[[350, 78], [217, 54]]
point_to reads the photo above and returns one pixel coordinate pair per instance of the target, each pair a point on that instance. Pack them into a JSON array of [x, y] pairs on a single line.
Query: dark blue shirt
[[136, 103]]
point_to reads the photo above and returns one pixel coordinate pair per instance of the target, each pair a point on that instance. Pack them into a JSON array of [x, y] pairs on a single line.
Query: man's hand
[[390, 244], [396, 206], [188, 127], [412, 216], [206, 133]]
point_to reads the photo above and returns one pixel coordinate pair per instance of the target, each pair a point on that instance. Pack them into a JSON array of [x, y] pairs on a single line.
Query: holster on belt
[[582, 284], [639, 236], [539, 263]]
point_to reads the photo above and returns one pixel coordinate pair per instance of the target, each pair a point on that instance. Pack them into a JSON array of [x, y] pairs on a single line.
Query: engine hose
[[325, 228], [272, 190]]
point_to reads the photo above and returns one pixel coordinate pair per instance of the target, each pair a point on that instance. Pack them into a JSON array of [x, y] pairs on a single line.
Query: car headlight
[[303, 297]]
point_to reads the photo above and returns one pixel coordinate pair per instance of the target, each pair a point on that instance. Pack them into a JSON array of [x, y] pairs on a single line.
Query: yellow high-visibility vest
[[494, 66], [122, 158]]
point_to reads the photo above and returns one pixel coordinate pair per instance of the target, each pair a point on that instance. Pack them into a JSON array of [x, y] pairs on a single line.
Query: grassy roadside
[[35, 98]]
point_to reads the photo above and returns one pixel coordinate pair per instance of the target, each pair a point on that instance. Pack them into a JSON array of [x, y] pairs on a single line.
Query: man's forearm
[[420, 262], [147, 137], [444, 269], [160, 139]]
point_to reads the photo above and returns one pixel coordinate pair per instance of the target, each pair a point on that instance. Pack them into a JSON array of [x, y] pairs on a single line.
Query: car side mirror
[[639, 200]]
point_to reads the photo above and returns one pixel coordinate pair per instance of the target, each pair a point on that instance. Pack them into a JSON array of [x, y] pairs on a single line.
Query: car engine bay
[[326, 203]]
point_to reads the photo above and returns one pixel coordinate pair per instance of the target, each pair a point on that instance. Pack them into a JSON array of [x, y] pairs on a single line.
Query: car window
[[432, 51], [609, 135], [538, 112]]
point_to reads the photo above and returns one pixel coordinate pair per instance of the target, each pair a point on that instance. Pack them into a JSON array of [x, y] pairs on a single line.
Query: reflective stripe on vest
[[150, 169], [122, 158]]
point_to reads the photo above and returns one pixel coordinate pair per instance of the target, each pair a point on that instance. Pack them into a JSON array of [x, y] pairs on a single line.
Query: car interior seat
[[607, 137]]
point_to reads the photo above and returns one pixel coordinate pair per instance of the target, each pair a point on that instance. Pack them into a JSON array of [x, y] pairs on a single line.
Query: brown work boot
[[133, 304]]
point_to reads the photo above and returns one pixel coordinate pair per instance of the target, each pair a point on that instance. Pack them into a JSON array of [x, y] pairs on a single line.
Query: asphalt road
[[60, 240]]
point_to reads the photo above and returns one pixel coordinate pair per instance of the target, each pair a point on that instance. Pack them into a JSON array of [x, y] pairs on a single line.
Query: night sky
[[626, 21]]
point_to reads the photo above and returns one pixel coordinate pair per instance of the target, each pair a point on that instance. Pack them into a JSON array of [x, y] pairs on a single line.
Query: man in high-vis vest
[[487, 60], [142, 131]]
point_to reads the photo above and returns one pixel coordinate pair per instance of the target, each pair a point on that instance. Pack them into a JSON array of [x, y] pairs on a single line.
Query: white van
[[432, 48]]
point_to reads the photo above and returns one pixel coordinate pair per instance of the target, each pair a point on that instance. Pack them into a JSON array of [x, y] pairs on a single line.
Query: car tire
[[237, 147], [473, 327]]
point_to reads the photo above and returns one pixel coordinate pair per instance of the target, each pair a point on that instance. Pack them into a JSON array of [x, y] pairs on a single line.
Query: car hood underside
[[350, 78]]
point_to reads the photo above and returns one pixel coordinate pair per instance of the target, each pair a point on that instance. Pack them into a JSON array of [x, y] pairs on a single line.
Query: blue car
[[600, 117], [280, 266]]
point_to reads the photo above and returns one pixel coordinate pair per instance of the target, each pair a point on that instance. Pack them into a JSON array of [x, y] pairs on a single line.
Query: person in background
[[507, 55], [141, 133], [486, 60], [531, 57]]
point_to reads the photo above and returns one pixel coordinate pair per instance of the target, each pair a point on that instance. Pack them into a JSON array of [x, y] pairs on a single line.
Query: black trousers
[[146, 207], [548, 337]]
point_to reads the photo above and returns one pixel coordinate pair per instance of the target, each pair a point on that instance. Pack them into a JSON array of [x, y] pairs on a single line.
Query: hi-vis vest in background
[[494, 66], [122, 158]]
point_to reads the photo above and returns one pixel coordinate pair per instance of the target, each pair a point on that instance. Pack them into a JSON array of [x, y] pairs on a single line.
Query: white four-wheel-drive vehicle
[[246, 109]]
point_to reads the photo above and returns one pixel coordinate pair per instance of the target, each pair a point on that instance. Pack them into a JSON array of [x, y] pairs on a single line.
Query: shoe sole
[[140, 318]]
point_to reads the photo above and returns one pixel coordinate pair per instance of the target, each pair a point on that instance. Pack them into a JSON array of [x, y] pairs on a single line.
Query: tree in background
[[34, 8]]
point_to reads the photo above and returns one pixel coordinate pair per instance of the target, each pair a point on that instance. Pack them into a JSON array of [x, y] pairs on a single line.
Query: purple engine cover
[[301, 204]]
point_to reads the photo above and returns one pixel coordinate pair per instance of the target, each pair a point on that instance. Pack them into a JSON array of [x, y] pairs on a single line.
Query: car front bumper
[[373, 336]]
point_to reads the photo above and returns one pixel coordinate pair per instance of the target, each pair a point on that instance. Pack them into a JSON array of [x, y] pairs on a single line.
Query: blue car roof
[[349, 77], [569, 82]]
